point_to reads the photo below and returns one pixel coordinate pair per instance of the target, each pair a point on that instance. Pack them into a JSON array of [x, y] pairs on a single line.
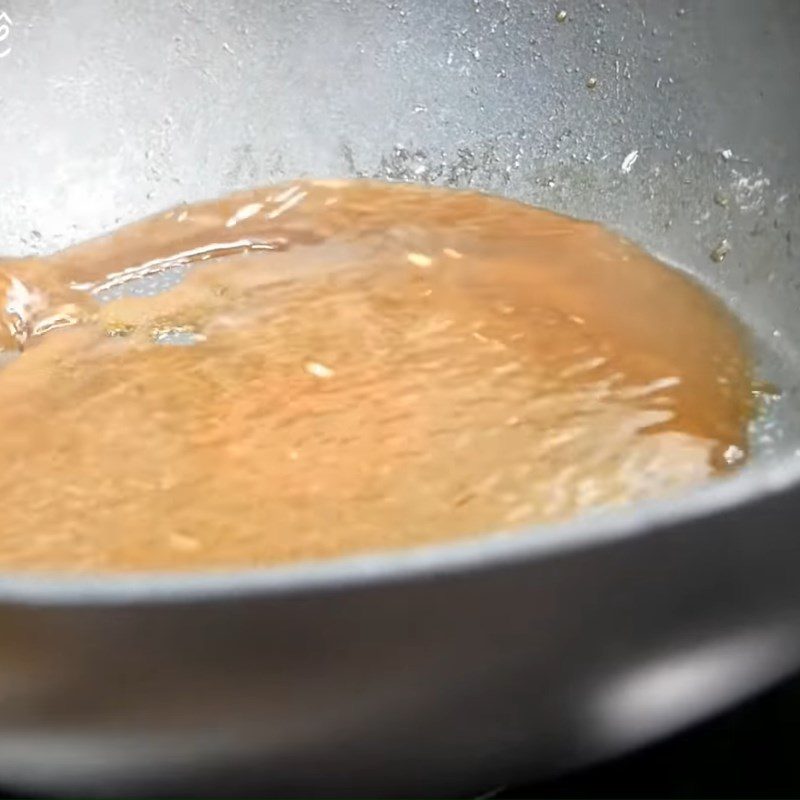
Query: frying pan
[[444, 669]]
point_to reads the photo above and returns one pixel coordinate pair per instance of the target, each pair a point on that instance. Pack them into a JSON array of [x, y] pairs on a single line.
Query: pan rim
[[475, 553]]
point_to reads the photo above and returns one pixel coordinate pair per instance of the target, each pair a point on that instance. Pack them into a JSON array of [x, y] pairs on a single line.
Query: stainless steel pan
[[445, 669]]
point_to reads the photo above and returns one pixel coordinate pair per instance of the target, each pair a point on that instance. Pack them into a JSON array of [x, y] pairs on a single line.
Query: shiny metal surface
[[446, 669]]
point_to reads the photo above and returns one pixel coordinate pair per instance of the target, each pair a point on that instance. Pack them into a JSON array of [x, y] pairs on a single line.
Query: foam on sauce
[[345, 367]]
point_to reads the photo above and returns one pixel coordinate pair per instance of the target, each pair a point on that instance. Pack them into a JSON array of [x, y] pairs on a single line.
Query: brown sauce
[[373, 366]]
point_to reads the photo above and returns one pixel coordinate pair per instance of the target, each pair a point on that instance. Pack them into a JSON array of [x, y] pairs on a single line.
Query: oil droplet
[[318, 370], [722, 199], [420, 260], [733, 455], [451, 253], [720, 252]]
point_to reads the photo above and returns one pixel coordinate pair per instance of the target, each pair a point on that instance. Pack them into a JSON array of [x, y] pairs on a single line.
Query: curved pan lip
[[404, 565]]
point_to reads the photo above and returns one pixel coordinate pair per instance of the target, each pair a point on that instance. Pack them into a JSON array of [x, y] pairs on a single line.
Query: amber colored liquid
[[373, 366]]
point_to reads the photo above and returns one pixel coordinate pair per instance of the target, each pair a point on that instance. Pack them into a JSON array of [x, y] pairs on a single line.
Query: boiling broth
[[344, 367]]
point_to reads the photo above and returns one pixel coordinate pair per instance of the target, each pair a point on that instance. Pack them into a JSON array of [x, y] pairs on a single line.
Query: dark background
[[751, 751]]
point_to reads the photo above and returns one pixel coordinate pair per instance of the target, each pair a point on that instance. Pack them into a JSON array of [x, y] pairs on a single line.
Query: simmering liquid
[[344, 367]]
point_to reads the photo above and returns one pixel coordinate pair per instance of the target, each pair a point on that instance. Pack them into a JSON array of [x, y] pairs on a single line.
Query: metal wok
[[445, 669]]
